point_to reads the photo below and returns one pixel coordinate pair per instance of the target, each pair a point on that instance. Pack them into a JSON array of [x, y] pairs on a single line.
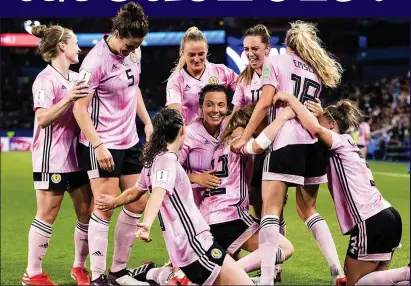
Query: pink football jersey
[[184, 89], [248, 94], [54, 147], [186, 234], [288, 73], [351, 184], [197, 153], [230, 200], [113, 80]]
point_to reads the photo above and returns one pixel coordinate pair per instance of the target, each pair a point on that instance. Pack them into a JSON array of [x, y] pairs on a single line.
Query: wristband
[[249, 147], [263, 141], [98, 145]]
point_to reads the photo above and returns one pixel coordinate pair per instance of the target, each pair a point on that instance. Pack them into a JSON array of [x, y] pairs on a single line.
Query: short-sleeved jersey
[[364, 129], [54, 147], [184, 89], [230, 201], [246, 94], [197, 153], [113, 81], [288, 73], [351, 183], [186, 234]]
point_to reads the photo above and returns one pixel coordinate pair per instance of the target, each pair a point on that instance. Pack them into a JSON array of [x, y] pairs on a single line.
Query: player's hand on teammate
[[314, 107], [143, 232], [148, 130], [238, 144], [104, 158], [288, 113], [280, 98], [208, 180], [79, 90], [105, 202]]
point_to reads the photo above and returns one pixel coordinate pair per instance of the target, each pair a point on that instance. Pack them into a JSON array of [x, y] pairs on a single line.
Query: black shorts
[[126, 162], [227, 232], [233, 234], [255, 186], [202, 273], [297, 165], [60, 182], [376, 238]]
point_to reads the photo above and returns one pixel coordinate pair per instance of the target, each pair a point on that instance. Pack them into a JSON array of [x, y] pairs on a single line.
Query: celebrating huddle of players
[[202, 165]]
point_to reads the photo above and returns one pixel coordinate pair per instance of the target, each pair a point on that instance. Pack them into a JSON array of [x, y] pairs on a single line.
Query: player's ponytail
[[345, 113], [303, 40], [192, 34], [261, 31], [166, 124], [240, 118], [50, 37]]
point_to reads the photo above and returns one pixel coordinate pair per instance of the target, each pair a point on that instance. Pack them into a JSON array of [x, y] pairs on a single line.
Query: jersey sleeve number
[[130, 77], [304, 96]]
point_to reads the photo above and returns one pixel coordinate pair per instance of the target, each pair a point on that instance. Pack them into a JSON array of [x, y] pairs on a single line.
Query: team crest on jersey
[[216, 253], [56, 178], [133, 57], [213, 80]]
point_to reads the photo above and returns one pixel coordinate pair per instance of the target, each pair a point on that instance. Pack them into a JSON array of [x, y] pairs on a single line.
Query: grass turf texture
[[306, 267]]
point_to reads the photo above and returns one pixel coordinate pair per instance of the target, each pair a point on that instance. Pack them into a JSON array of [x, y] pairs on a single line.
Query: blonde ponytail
[[303, 40], [192, 34]]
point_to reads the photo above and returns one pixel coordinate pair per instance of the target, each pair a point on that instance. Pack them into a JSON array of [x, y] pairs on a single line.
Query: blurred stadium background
[[375, 54]]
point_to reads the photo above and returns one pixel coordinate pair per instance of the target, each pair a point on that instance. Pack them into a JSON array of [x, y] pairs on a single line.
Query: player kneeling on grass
[[187, 236], [374, 225]]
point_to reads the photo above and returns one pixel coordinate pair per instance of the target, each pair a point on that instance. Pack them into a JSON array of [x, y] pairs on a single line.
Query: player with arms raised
[[295, 158], [109, 143], [55, 168]]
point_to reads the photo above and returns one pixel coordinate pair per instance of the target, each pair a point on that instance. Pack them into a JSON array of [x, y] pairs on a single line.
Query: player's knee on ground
[[287, 247]]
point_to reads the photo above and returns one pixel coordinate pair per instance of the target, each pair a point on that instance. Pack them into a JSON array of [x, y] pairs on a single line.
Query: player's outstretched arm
[[308, 120], [150, 213], [107, 202]]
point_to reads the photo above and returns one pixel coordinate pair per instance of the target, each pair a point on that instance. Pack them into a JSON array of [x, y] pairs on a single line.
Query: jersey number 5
[[304, 96], [130, 76]]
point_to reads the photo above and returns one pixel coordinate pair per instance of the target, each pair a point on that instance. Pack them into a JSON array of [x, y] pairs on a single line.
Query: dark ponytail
[[167, 123]]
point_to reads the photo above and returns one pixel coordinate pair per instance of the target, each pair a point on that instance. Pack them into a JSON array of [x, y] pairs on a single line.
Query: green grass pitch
[[307, 266]]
